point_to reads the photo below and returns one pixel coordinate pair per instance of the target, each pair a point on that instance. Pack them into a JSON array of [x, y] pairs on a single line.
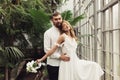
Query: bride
[[75, 69]]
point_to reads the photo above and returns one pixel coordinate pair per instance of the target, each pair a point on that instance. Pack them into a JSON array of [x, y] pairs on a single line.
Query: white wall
[[66, 6]]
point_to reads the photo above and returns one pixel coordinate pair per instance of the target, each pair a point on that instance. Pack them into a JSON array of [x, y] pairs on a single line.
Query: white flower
[[32, 66]]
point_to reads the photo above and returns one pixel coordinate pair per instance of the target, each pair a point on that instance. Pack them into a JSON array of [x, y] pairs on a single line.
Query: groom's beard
[[58, 25]]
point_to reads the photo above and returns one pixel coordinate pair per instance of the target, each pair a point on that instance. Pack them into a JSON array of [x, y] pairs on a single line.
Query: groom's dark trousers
[[53, 72]]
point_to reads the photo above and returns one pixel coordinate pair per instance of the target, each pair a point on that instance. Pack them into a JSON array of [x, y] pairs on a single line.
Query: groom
[[50, 38]]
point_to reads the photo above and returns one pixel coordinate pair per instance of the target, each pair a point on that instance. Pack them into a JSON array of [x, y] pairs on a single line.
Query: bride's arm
[[51, 51]]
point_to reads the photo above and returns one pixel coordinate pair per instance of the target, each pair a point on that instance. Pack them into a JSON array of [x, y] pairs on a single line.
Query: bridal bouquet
[[32, 66]]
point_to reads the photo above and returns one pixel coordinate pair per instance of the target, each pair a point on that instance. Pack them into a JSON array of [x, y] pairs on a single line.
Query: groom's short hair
[[55, 14]]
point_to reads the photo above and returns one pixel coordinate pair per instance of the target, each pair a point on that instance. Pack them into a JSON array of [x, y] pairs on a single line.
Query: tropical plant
[[68, 15], [11, 17], [18, 19], [9, 57], [33, 4], [52, 5], [41, 23]]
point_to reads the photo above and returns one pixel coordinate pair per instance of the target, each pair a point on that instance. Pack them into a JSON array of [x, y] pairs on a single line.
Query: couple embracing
[[60, 45]]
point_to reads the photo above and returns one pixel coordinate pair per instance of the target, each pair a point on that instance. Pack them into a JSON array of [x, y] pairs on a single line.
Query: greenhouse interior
[[96, 24]]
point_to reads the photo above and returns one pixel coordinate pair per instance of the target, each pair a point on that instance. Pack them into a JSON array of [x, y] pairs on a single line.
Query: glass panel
[[91, 25], [115, 16], [91, 10], [106, 27], [106, 2], [107, 56], [99, 38], [116, 55], [99, 4], [99, 20], [116, 43]]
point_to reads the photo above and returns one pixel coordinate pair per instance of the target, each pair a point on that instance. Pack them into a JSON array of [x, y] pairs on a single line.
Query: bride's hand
[[39, 60]]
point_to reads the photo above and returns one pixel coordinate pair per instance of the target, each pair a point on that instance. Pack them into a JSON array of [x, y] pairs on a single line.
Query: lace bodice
[[69, 45]]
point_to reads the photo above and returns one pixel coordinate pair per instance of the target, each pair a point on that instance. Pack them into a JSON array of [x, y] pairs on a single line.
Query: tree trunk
[[6, 73]]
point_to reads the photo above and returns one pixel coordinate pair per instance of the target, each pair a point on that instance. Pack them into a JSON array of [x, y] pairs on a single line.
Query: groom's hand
[[64, 57]]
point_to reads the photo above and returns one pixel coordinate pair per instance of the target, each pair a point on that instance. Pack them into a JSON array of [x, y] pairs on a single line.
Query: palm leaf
[[2, 12], [13, 53], [77, 19], [1, 49], [18, 51], [2, 57], [67, 15]]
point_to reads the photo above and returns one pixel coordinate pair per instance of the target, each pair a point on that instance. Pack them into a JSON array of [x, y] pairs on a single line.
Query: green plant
[[41, 24], [1, 76], [25, 18], [9, 57], [68, 15]]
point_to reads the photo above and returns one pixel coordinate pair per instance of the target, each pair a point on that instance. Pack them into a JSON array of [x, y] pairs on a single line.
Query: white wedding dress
[[77, 69]]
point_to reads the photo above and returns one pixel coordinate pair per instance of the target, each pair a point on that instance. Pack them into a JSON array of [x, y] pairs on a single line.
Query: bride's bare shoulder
[[61, 37]]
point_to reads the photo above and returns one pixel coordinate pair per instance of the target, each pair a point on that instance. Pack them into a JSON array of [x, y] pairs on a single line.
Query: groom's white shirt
[[50, 38]]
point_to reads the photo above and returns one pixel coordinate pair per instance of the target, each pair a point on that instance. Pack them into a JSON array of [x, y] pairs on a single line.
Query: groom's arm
[[47, 46], [64, 57]]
